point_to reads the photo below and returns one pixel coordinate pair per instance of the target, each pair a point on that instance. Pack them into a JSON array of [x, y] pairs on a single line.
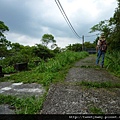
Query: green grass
[[90, 66], [112, 62], [95, 110], [48, 72], [9, 69], [106, 84], [29, 105], [60, 61]]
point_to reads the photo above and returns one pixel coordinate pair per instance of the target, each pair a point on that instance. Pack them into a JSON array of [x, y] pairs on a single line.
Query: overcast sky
[[29, 20]]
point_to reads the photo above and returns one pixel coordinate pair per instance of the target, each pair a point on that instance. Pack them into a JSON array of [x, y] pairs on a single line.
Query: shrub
[[52, 71], [112, 62], [60, 61], [9, 69]]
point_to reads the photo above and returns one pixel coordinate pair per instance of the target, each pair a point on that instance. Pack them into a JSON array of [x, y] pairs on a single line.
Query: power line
[[63, 14], [68, 21], [66, 18]]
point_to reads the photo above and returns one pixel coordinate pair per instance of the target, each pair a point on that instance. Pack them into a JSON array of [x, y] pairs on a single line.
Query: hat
[[102, 35]]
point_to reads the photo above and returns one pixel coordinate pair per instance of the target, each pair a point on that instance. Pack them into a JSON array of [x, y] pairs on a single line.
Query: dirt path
[[72, 98]]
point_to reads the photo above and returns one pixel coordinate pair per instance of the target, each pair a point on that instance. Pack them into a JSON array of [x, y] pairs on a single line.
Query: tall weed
[[50, 70], [56, 64], [112, 62], [24, 105]]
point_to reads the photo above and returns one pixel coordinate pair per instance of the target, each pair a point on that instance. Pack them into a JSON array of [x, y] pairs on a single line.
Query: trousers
[[99, 54]]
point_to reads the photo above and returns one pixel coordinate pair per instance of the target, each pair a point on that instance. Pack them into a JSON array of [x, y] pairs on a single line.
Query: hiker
[[101, 49]]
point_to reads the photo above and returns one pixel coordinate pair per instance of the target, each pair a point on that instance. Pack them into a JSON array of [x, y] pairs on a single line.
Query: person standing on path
[[101, 49]]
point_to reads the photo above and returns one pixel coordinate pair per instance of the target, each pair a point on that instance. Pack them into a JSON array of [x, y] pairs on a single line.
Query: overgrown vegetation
[[45, 66], [106, 84], [54, 70], [112, 62], [111, 30], [28, 105], [48, 72]]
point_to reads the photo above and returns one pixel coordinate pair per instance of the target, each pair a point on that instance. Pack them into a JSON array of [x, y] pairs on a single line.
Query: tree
[[57, 50], [114, 38], [103, 27], [16, 47], [42, 52], [74, 47], [48, 38], [89, 45], [53, 46], [3, 28], [111, 29], [4, 44]]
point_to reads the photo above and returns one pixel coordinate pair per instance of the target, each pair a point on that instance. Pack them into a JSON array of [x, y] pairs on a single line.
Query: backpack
[[103, 45]]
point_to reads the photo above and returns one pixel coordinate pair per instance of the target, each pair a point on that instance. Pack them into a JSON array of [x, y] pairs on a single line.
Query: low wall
[[1, 74], [21, 66]]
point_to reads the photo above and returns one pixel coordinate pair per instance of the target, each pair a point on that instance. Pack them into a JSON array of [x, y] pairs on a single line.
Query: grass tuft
[[29, 105], [112, 62], [95, 110], [106, 84]]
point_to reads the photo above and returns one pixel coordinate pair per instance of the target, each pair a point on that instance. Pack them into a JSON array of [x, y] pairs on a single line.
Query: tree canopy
[[4, 44], [111, 29], [3, 28], [48, 38]]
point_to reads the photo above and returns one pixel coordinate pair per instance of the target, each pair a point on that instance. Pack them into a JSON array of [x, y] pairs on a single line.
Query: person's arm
[[98, 43], [97, 46]]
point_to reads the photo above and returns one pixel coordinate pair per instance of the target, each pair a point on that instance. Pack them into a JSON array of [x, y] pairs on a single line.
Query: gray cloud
[[33, 18]]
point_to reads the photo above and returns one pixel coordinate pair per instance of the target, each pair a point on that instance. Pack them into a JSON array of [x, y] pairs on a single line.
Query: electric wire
[[63, 15], [68, 21], [66, 18]]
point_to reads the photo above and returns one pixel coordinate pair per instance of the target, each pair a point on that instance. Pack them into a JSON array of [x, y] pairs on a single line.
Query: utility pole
[[82, 42]]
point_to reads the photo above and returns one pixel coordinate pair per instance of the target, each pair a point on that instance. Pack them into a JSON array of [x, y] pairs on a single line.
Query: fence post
[[83, 43]]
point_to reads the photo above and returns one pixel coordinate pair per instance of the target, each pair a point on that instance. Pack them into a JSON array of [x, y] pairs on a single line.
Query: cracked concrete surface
[[19, 90], [68, 98]]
